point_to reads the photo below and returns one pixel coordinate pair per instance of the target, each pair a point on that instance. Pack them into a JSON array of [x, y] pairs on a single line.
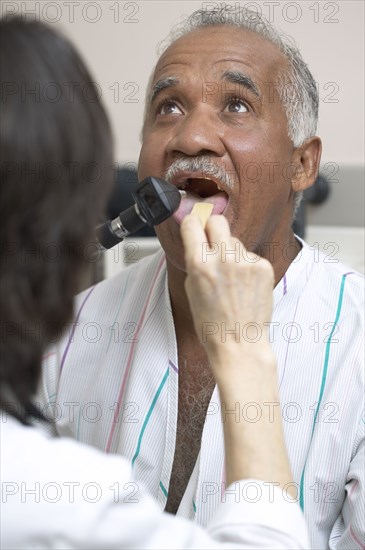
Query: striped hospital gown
[[113, 383]]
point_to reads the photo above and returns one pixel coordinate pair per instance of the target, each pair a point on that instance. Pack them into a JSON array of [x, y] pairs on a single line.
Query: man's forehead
[[214, 46]]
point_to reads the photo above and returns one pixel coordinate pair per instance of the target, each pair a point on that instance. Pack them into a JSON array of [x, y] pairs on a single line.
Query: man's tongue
[[219, 201]]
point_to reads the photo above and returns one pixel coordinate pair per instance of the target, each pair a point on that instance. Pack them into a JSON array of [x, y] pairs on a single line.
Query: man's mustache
[[204, 168]]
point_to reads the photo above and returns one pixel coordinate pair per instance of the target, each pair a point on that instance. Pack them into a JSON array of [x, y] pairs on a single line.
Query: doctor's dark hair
[[56, 174]]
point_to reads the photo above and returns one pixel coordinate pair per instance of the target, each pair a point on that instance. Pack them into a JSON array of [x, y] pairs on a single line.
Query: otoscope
[[155, 201]]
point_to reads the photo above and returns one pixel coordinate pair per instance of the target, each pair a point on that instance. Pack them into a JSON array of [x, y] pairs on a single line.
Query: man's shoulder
[[333, 293], [325, 287], [327, 271]]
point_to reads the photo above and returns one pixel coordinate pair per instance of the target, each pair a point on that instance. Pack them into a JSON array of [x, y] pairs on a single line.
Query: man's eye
[[236, 106], [169, 108]]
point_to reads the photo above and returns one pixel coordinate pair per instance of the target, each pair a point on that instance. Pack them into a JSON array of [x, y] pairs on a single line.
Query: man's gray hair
[[296, 86]]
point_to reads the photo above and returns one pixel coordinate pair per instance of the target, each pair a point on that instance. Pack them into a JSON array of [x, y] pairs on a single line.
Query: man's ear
[[307, 158]]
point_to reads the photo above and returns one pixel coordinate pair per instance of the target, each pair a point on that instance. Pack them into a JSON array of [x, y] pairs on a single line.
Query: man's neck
[[281, 253]]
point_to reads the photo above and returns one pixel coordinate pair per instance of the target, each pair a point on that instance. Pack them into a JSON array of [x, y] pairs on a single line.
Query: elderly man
[[231, 118]]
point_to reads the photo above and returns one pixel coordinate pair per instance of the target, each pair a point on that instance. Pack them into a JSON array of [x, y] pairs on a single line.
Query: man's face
[[214, 97]]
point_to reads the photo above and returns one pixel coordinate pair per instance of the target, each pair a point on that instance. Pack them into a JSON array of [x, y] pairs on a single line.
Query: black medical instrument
[[155, 201]]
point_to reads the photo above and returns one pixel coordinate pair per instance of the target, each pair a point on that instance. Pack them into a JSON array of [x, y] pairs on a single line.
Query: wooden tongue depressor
[[203, 210]]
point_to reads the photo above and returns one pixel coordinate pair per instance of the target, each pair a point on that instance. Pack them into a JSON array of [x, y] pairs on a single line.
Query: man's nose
[[198, 132]]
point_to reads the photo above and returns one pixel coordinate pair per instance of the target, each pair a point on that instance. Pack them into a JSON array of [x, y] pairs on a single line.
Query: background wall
[[118, 39]]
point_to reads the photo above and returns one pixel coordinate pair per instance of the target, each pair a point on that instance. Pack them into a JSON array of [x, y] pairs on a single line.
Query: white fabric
[[56, 493], [118, 389]]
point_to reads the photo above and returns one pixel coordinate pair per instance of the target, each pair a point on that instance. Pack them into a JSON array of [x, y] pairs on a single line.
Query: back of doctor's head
[[56, 158]]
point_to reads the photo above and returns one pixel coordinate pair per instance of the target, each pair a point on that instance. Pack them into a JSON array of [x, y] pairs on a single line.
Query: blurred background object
[[316, 194]]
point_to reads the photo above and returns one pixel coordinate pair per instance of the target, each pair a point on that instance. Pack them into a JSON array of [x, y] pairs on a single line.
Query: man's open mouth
[[204, 187], [199, 189]]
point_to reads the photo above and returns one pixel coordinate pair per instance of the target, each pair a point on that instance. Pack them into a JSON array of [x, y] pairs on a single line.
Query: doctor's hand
[[230, 296], [229, 290]]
